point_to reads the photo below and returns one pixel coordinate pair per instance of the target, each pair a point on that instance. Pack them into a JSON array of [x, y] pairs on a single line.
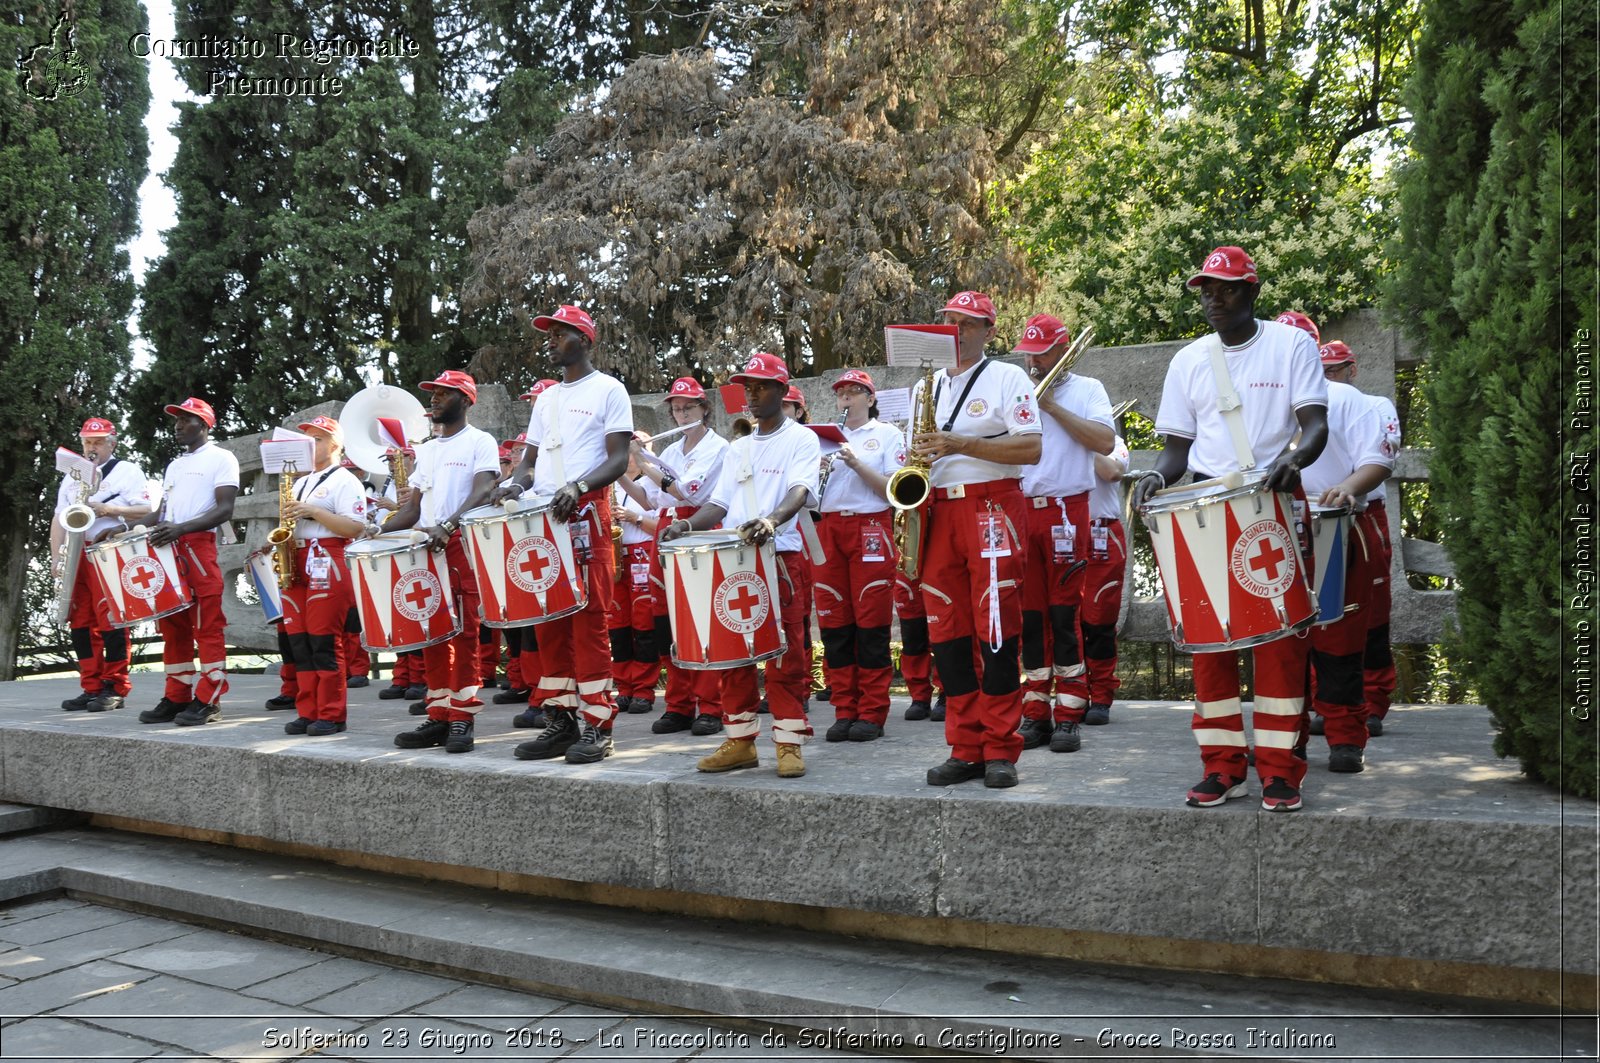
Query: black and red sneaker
[[1214, 789], [1279, 795]]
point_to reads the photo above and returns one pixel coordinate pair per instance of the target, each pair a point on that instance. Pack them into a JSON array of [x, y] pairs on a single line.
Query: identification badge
[[317, 569], [992, 535], [1062, 539], [874, 544], [580, 541], [639, 573], [1100, 541]]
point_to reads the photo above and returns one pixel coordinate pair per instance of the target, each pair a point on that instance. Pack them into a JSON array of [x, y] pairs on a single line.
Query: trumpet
[[909, 488], [1067, 361]]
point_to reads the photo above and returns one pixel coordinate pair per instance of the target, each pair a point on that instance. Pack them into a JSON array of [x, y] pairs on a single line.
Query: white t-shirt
[[1390, 420], [1066, 466], [569, 425], [190, 485], [633, 534], [124, 485], [1000, 403], [340, 493], [697, 470], [1355, 438], [1105, 501], [1275, 372], [881, 448], [760, 470], [446, 467]]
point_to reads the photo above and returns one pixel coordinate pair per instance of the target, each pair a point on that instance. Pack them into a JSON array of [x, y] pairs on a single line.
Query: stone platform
[[1439, 869]]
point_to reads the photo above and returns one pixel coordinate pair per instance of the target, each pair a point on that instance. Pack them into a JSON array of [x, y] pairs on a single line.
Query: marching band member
[[767, 477], [1076, 429], [1274, 368], [526, 639], [684, 480], [1102, 582], [794, 405], [916, 658], [1378, 658], [635, 657], [198, 492], [455, 472], [516, 689], [577, 447], [1350, 465], [329, 509], [489, 637], [988, 428], [854, 586], [407, 678], [121, 495]]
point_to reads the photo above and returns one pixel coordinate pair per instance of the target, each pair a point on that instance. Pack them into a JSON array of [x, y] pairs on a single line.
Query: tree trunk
[[13, 588]]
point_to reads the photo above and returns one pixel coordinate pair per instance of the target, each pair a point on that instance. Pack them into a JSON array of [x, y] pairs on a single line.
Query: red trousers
[[451, 667], [488, 653], [102, 650], [1378, 657], [855, 606], [1336, 649], [788, 681], [1102, 603], [689, 691], [635, 658], [198, 629], [578, 642], [974, 605], [356, 660], [1056, 534], [314, 624], [916, 661], [408, 669], [1218, 723]]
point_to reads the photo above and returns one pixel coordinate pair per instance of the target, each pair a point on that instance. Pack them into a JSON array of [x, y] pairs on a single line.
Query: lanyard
[[962, 401]]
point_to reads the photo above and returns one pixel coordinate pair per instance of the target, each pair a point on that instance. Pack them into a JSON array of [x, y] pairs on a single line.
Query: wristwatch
[[667, 480], [582, 486]]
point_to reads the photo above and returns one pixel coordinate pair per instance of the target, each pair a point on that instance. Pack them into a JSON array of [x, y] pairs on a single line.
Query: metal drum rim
[[1187, 498]]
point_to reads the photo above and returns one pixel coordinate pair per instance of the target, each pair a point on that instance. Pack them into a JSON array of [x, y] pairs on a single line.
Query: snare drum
[[722, 596], [142, 582], [1230, 563], [264, 578], [524, 562], [1330, 562], [402, 591]]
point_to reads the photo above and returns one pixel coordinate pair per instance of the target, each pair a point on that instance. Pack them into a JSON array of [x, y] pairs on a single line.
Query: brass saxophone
[[399, 476], [910, 487], [281, 538]]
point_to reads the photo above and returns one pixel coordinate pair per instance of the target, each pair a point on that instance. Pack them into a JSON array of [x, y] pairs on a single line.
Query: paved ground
[[80, 981]]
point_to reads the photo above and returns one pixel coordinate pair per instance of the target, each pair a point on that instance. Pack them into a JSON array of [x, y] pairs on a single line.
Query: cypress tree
[[1496, 278]]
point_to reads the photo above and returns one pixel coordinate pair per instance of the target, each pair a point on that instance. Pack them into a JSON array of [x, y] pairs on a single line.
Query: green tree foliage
[[797, 192], [1497, 279], [321, 238], [72, 156], [1192, 124]]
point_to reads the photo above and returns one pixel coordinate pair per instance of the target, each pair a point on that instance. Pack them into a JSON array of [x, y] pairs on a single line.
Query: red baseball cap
[[795, 396], [762, 366], [1300, 321], [686, 387], [537, 389], [325, 424], [1042, 332], [199, 407], [1226, 264], [456, 380], [855, 376], [505, 450], [973, 304], [95, 427], [520, 441], [567, 315], [1336, 352]]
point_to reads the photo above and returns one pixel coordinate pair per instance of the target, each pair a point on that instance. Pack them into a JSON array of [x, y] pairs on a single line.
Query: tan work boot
[[791, 764], [731, 755]]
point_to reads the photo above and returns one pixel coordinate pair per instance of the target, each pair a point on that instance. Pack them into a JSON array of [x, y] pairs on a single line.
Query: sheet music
[[916, 345], [894, 405], [285, 447], [70, 461]]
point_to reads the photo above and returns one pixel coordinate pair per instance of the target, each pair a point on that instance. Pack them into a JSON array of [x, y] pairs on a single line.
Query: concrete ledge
[[1435, 868], [877, 996]]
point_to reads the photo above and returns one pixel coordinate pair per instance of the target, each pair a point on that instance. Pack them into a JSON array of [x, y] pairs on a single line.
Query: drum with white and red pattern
[[140, 581], [525, 563], [403, 592], [722, 596], [1230, 563]]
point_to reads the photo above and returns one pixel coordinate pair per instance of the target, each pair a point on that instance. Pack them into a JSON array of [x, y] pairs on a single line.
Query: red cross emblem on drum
[[143, 577], [741, 602], [534, 564], [417, 595], [1261, 562]]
